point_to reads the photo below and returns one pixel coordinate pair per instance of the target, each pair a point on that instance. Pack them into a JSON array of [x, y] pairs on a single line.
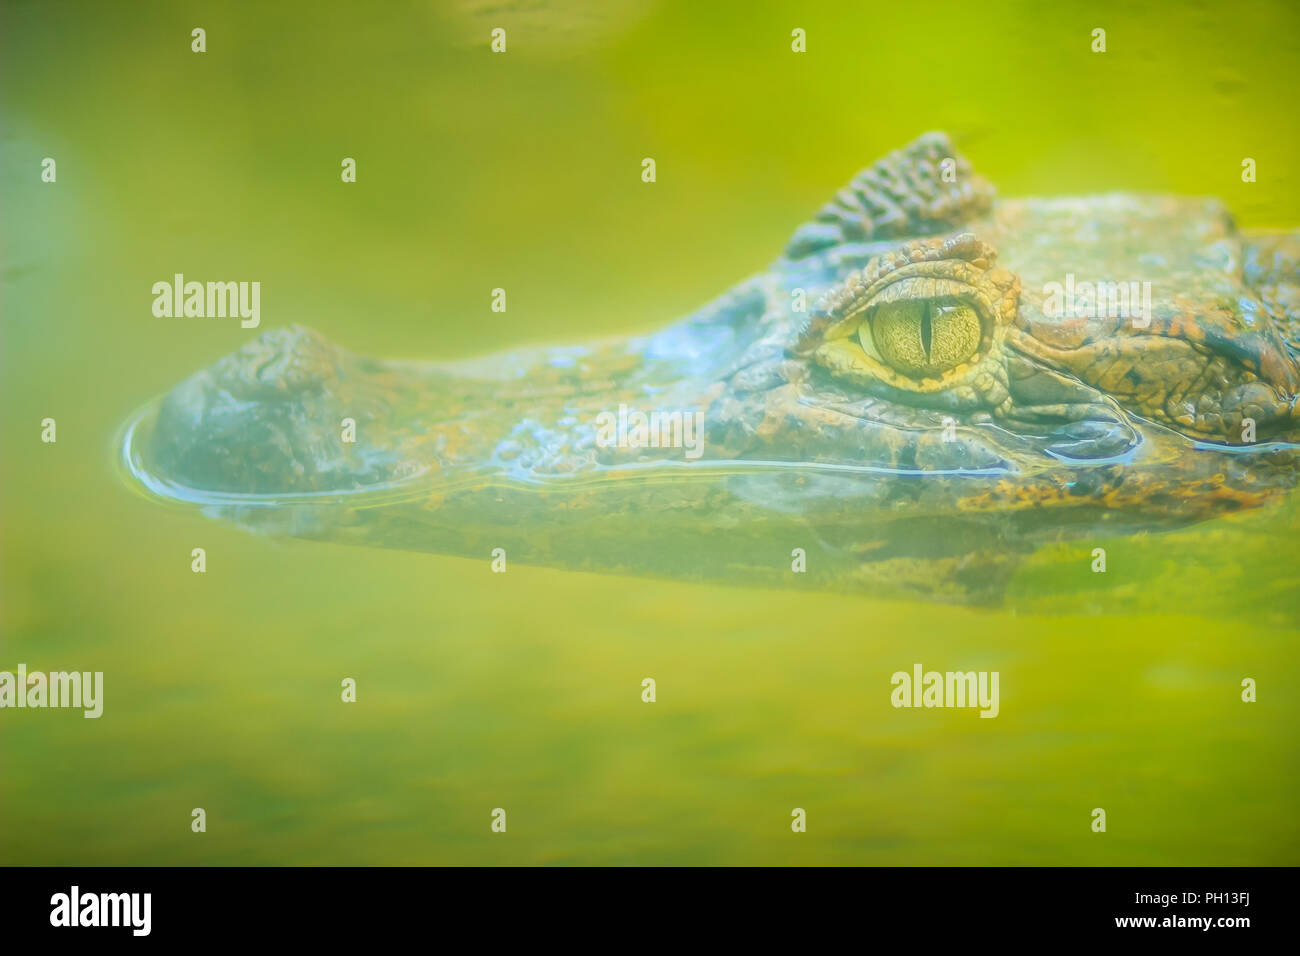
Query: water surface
[[523, 690]]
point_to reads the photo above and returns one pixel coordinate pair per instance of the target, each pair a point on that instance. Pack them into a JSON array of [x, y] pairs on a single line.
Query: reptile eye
[[922, 318], [921, 337]]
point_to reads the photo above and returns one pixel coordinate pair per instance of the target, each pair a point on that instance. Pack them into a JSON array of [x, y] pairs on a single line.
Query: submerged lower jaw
[[243, 474]]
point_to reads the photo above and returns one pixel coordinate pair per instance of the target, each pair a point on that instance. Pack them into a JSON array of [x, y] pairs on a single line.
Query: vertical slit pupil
[[925, 330]]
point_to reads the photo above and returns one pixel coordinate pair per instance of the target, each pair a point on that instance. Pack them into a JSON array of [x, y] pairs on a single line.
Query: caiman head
[[927, 384]]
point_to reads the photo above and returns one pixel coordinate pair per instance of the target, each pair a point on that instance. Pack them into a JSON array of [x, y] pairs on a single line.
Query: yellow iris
[[921, 337]]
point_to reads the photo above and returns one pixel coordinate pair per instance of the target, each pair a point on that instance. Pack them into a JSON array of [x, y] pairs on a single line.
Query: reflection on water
[[522, 690]]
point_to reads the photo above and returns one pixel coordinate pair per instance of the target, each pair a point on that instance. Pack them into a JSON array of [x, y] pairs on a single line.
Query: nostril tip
[[280, 361], [289, 413]]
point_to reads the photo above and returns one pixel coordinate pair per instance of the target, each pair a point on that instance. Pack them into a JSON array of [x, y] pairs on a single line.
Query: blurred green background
[[522, 691]]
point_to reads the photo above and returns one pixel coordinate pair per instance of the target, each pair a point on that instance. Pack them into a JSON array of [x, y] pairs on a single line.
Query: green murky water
[[522, 691]]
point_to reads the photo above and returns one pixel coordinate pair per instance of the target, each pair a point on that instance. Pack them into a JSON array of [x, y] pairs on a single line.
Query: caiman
[[929, 383]]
